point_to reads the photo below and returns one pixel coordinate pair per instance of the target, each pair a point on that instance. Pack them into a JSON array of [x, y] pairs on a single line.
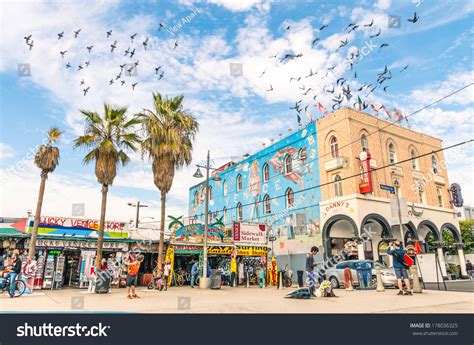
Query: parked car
[[335, 274]]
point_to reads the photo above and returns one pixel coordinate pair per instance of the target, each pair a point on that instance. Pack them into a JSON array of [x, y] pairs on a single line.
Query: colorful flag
[[418, 248], [360, 103], [299, 118], [386, 111], [322, 109], [398, 114], [374, 108]]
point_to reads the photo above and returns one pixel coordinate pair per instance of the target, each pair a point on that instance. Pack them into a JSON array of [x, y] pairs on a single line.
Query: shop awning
[[11, 232]]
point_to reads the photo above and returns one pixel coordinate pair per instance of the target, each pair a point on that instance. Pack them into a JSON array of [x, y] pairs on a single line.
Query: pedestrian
[[261, 280], [240, 270], [469, 269], [400, 267], [166, 274], [233, 272], [310, 267], [132, 275], [14, 272], [194, 272]]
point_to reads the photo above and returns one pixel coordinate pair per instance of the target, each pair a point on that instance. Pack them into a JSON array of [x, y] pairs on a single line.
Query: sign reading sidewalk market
[[60, 226], [194, 233], [251, 233]]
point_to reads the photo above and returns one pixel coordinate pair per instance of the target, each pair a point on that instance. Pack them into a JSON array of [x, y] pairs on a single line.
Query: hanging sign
[[365, 186], [455, 194]]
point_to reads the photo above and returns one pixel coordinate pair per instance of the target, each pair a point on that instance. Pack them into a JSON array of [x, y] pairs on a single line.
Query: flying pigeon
[[323, 27], [90, 48], [271, 88], [370, 24], [133, 37], [113, 46], [76, 33], [414, 19], [133, 86], [60, 35], [377, 34], [62, 53], [109, 33], [86, 90]]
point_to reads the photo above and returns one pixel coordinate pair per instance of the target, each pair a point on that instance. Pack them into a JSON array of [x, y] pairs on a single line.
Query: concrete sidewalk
[[237, 300]]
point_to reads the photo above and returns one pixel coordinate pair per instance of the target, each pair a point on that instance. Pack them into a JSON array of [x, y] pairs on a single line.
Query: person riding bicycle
[[13, 273]]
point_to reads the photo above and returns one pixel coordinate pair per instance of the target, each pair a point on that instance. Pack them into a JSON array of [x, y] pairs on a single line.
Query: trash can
[[215, 279], [102, 283], [300, 278], [364, 275]]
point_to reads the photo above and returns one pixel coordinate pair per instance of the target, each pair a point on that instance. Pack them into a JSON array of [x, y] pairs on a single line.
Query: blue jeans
[[12, 276], [312, 282], [193, 278]]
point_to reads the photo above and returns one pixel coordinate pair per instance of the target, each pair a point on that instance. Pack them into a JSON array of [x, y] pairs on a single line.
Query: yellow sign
[[169, 257], [241, 250]]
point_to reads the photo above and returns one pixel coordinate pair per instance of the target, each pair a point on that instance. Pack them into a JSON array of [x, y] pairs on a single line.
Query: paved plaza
[[238, 300]]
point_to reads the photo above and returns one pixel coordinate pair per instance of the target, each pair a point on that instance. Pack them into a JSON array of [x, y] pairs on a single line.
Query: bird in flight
[[76, 33], [109, 33], [314, 41], [27, 38], [90, 48], [175, 45], [133, 37], [404, 68], [370, 24], [127, 51], [262, 73], [133, 86], [132, 53], [113, 46], [68, 65], [331, 68], [86, 90], [377, 34], [383, 45], [161, 75], [130, 70], [60, 35], [414, 19], [288, 27], [385, 88], [122, 67], [122, 82], [82, 82], [157, 69], [311, 73], [161, 26], [62, 53], [111, 81], [87, 63], [79, 67], [271, 88], [118, 76], [343, 43], [30, 45], [323, 27], [145, 43], [297, 79], [136, 63], [350, 26]]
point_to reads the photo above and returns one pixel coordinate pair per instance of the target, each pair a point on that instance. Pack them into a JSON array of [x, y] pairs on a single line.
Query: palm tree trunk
[[162, 232], [100, 238], [39, 204]]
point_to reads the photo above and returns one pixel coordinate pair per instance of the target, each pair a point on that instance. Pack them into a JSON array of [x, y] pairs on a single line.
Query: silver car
[[335, 274]]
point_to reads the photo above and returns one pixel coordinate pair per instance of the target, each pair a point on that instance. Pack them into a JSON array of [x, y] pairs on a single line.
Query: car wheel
[[334, 282]]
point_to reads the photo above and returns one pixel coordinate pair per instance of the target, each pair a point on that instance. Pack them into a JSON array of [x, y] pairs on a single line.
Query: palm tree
[[169, 131], [107, 137], [46, 159]]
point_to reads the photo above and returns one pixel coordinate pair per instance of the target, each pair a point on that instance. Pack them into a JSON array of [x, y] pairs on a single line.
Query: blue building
[[272, 186]]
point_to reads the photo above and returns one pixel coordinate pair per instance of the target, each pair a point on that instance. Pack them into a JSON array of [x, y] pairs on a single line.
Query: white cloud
[[383, 4], [6, 151]]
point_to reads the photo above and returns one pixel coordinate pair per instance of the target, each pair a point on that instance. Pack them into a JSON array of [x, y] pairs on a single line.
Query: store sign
[[120, 246], [251, 251], [455, 194], [220, 250], [249, 233], [365, 186], [185, 249]]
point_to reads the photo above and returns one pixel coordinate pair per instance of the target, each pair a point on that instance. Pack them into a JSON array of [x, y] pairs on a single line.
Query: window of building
[[337, 186], [334, 147], [210, 192], [224, 187], [288, 165], [392, 153], [434, 164], [414, 160], [290, 198], [239, 211], [303, 155], [266, 172], [364, 142], [440, 197], [266, 204], [239, 182]]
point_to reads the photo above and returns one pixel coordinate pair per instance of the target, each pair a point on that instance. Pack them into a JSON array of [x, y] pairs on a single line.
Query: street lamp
[[203, 283], [137, 205]]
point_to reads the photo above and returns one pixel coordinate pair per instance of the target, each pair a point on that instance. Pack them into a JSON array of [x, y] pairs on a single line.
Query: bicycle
[[20, 286], [287, 275]]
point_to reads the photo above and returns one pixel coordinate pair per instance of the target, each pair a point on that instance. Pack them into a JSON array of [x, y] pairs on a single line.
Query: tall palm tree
[[107, 137], [46, 159], [169, 132]]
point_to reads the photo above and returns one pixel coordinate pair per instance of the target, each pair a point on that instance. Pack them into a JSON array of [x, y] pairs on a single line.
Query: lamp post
[[203, 282], [137, 205]]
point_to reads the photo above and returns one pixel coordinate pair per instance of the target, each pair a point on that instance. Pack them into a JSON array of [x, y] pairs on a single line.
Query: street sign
[[391, 189], [272, 238]]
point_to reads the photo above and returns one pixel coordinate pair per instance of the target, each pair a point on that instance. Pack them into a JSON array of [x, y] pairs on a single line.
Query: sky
[[195, 43]]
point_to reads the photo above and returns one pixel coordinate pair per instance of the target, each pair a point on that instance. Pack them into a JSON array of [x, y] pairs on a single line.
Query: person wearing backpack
[[400, 266]]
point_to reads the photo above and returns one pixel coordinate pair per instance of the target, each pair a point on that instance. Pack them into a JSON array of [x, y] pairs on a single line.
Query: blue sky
[[236, 113]]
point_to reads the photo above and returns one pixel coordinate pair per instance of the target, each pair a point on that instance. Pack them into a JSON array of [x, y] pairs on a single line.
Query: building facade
[[399, 158], [275, 187]]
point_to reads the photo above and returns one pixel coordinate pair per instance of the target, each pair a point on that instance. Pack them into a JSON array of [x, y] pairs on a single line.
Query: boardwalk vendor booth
[[186, 246]]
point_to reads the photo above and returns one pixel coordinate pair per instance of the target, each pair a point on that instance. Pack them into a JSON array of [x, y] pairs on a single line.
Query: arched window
[[434, 164], [266, 172], [288, 167], [337, 186], [239, 182], [392, 154], [239, 211], [334, 147], [224, 187], [290, 198], [224, 213], [440, 197], [414, 160], [364, 142], [195, 198], [303, 155], [210, 192], [266, 204]]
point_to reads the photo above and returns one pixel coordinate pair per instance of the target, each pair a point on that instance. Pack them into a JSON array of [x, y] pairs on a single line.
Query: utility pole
[[137, 215], [206, 220]]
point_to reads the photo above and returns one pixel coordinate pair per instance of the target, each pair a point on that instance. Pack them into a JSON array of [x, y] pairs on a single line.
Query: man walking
[[310, 267], [132, 275], [469, 269], [194, 272], [400, 266]]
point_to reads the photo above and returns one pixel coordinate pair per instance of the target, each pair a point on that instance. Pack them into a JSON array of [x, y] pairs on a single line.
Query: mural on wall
[[277, 195], [194, 233]]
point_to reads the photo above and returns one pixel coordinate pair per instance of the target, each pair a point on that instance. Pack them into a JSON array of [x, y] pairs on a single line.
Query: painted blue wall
[[303, 216]]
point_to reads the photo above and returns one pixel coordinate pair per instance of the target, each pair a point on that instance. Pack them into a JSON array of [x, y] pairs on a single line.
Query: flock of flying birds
[[341, 90], [126, 69]]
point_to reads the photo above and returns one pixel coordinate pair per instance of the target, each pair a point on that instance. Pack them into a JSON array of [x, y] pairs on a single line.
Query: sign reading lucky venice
[[85, 224]]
